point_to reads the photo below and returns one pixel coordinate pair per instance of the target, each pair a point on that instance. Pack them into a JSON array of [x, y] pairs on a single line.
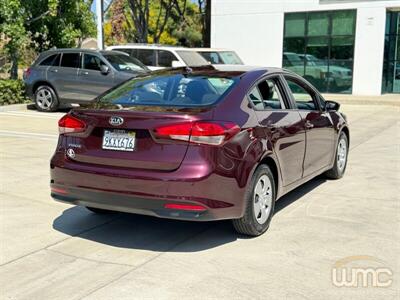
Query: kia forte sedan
[[201, 144]]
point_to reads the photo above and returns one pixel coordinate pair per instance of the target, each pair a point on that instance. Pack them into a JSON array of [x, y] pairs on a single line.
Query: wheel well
[[274, 169], [39, 83], [347, 133]]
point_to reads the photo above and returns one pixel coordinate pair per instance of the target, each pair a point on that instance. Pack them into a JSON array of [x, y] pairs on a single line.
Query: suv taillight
[[70, 124], [199, 132], [26, 73]]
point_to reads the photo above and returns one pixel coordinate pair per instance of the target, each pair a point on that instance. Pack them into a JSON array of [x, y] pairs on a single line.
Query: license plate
[[119, 140]]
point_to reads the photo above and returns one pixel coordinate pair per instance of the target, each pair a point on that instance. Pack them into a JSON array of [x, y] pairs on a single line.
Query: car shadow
[[131, 231]]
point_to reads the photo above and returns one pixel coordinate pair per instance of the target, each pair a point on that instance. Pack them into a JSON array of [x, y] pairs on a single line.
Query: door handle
[[308, 125], [85, 73], [54, 70]]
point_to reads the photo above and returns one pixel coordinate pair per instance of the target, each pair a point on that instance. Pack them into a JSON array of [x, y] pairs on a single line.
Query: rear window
[[170, 90], [192, 58], [52, 60]]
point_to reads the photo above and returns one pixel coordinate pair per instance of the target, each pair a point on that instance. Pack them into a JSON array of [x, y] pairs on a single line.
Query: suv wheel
[[260, 203], [46, 99]]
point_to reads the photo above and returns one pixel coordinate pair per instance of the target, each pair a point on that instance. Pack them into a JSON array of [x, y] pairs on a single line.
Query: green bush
[[12, 92]]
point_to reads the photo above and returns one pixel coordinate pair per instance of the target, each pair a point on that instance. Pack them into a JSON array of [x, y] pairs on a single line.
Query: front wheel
[[260, 203], [340, 164]]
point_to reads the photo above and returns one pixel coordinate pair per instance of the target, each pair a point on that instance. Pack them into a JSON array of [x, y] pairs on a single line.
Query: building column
[[368, 52]]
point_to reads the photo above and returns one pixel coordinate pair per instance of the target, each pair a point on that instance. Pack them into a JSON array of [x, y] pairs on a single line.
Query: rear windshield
[[191, 58], [170, 90]]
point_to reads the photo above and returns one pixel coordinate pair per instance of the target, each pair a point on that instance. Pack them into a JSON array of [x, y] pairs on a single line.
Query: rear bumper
[[147, 192], [131, 204]]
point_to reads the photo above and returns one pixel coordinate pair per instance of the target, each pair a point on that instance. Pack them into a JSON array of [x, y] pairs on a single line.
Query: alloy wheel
[[44, 99]]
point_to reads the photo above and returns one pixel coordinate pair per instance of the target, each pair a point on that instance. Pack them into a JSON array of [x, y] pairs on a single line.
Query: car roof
[[147, 46], [69, 50], [221, 70], [211, 49]]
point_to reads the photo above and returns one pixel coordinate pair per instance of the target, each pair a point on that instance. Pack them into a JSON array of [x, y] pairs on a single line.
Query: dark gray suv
[[65, 76]]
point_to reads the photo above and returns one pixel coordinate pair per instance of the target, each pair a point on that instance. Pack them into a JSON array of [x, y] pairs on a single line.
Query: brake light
[[186, 207], [27, 73], [70, 124], [200, 132]]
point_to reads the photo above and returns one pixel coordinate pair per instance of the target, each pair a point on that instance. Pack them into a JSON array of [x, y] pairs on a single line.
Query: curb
[[17, 107]]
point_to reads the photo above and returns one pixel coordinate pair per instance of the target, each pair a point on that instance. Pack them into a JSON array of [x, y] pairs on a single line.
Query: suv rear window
[[52, 60], [170, 90]]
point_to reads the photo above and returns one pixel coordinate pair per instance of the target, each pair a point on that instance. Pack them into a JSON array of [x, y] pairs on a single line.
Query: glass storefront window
[[391, 61], [318, 24], [295, 25], [324, 52], [343, 22]]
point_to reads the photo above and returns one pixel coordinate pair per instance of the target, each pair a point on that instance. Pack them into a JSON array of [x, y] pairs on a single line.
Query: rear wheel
[[99, 210], [46, 99], [260, 203], [340, 164]]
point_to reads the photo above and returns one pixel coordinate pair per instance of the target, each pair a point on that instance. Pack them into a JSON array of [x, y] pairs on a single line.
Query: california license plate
[[120, 140]]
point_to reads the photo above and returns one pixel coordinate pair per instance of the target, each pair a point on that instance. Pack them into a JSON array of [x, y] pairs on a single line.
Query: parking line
[[19, 134], [34, 115]]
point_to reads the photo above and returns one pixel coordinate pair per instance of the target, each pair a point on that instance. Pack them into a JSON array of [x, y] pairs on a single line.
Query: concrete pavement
[[50, 250]]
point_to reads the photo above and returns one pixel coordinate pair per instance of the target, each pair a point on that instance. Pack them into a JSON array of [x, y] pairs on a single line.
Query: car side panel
[[320, 140]]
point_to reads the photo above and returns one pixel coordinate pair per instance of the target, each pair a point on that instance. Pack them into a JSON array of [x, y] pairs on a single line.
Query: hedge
[[12, 92]]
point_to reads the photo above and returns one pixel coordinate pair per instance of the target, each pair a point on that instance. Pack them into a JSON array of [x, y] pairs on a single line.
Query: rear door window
[[165, 58], [52, 60], [146, 56], [70, 60], [266, 95]]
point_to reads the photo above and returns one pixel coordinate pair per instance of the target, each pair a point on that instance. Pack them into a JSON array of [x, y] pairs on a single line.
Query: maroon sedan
[[200, 144]]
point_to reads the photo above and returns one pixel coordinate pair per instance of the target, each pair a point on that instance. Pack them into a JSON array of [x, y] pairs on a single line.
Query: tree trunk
[[207, 25], [14, 65]]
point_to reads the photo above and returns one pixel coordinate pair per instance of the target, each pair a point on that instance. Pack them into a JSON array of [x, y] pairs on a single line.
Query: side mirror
[[177, 64], [104, 69], [331, 106]]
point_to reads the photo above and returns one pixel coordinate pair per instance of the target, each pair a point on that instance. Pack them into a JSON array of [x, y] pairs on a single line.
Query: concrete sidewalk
[[387, 99], [50, 250]]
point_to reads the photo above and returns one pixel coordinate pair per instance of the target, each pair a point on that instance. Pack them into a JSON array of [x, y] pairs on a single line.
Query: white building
[[341, 46]]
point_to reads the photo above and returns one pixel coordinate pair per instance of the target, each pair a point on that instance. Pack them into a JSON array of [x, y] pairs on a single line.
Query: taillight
[[201, 132], [70, 124], [27, 73]]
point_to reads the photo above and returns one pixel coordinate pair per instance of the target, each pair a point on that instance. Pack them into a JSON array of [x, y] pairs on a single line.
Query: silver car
[[66, 76]]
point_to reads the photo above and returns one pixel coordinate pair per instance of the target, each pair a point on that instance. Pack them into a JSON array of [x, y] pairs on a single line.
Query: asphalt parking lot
[[49, 250]]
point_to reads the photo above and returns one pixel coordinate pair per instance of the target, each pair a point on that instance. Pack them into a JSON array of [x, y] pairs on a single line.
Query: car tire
[[341, 155], [46, 99], [99, 211], [260, 202]]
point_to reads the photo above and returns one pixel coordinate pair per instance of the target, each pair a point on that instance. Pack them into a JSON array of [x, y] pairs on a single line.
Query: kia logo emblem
[[71, 153], [116, 121]]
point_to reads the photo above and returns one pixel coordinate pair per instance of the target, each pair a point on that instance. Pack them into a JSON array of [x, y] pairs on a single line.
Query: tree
[[205, 12], [12, 28], [157, 21], [43, 24]]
